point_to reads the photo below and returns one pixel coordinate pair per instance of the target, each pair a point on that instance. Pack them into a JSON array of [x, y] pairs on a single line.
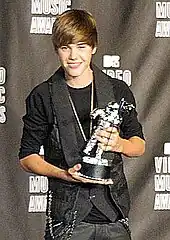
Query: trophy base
[[94, 171]]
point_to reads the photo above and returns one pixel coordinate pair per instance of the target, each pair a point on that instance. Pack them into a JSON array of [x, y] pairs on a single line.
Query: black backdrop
[[136, 31]]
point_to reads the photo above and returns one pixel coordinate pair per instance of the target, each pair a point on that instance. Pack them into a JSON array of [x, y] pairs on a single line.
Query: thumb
[[74, 169]]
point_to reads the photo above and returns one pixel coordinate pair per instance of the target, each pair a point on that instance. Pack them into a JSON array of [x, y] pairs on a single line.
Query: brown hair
[[74, 26]]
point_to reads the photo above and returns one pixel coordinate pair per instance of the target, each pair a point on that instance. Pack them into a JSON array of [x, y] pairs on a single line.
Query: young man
[[58, 117]]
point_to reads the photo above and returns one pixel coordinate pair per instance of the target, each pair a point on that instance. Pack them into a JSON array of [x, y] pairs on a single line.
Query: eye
[[64, 48], [81, 46]]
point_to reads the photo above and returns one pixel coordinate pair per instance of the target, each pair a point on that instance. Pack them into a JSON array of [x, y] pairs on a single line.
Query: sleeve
[[130, 125], [36, 125]]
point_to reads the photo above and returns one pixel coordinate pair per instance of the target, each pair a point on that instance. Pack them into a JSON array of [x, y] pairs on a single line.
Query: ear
[[94, 50]]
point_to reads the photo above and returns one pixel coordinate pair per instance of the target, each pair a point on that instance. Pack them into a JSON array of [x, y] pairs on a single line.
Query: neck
[[80, 81]]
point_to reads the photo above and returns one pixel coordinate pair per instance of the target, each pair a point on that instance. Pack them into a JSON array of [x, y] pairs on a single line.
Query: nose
[[73, 53]]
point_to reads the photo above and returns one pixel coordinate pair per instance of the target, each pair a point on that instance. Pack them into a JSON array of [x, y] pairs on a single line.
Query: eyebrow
[[81, 43]]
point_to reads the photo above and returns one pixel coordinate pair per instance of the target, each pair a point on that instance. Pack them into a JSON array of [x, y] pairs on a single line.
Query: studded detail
[[49, 219], [66, 231], [125, 222]]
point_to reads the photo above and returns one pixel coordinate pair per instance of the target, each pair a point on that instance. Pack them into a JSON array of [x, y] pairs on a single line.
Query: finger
[[112, 129], [103, 133], [108, 181], [105, 147], [84, 179], [107, 133], [100, 181], [103, 140], [74, 169], [109, 130], [112, 137], [107, 142]]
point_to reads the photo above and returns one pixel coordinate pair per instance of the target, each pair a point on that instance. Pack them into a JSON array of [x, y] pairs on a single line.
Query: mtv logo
[[111, 61], [167, 148]]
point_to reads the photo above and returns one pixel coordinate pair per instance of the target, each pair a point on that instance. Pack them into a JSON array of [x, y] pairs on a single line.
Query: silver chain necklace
[[91, 109]]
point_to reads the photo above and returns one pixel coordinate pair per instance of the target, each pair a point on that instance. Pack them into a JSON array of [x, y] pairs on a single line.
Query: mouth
[[74, 65]]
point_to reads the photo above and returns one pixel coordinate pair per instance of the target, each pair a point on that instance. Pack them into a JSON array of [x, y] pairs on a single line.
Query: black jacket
[[68, 202]]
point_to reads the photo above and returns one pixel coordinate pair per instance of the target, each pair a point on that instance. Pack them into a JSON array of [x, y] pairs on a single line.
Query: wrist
[[60, 173], [126, 146], [120, 145]]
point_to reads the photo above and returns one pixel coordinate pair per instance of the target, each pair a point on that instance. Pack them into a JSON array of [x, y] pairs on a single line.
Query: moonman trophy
[[93, 165]]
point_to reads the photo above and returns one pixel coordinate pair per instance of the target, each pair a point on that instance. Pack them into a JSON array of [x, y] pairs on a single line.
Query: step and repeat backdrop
[[134, 46]]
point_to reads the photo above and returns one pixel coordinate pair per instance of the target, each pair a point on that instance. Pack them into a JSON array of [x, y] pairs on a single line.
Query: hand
[[77, 177], [109, 140]]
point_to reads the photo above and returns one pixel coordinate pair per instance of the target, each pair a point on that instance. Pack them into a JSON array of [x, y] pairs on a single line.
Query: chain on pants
[[88, 231]]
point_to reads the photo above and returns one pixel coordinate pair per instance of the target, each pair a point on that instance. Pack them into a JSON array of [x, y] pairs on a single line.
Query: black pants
[[88, 231]]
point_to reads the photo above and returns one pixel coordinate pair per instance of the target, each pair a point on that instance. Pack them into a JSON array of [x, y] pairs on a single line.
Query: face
[[75, 59]]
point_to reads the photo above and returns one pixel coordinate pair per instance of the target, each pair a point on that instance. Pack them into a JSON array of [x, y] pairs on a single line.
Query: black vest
[[71, 201]]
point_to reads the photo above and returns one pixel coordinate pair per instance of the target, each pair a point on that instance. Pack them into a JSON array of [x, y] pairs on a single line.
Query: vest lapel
[[104, 88], [70, 135], [104, 92]]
